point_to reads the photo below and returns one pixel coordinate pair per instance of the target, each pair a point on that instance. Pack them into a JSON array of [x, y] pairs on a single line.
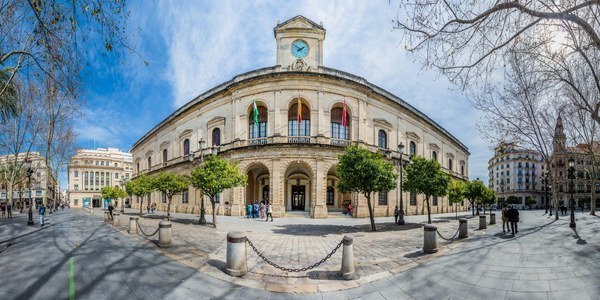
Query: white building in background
[[515, 171], [42, 181], [91, 170]]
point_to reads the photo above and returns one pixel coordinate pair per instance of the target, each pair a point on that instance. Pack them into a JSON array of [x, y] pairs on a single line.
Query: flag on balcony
[[344, 121], [299, 110], [255, 114]]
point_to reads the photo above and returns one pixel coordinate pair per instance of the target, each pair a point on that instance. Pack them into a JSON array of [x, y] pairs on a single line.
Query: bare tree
[[468, 41]]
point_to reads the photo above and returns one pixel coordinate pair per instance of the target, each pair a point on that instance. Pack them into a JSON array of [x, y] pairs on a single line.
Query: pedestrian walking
[[396, 214], [249, 210], [505, 217], [513, 218], [9, 210], [269, 212], [262, 209], [148, 207], [153, 208], [3, 205], [42, 211], [255, 209], [110, 210]]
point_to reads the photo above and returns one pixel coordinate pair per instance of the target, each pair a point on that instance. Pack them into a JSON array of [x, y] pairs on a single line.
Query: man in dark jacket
[[513, 218], [110, 210]]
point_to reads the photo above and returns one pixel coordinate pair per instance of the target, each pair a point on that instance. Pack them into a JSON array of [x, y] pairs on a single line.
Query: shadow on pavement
[[320, 230], [325, 275], [580, 241]]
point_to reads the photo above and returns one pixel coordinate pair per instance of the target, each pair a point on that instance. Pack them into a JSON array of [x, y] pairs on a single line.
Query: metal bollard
[[430, 239], [116, 219], [236, 254], [492, 219], [482, 222], [164, 234], [347, 258], [463, 231], [133, 225]]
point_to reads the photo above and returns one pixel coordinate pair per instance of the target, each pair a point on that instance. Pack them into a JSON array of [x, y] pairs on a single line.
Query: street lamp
[[401, 209], [51, 189], [29, 173], [121, 183], [545, 183], [571, 188]]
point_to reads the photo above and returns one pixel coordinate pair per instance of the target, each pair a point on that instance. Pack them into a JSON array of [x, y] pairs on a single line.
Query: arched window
[[434, 155], [412, 149], [462, 170], [165, 153], [149, 162], [450, 164], [299, 121], [258, 127], [186, 147], [382, 140], [138, 167], [383, 198], [216, 137], [330, 195], [338, 130]]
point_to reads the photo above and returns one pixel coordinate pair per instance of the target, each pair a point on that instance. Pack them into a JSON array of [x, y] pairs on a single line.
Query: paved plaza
[[545, 260]]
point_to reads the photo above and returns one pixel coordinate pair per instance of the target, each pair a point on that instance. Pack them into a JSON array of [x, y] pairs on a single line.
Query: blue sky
[[192, 46]]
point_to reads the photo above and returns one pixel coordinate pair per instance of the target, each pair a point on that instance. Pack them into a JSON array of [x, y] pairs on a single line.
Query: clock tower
[[299, 44]]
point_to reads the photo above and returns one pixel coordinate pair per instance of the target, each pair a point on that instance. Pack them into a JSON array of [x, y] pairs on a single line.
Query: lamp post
[[51, 189], [29, 173], [121, 183], [545, 183], [571, 174], [401, 208], [202, 207]]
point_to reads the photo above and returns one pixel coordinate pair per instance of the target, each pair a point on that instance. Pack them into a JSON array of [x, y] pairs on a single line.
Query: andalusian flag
[[299, 110], [344, 120], [255, 114]]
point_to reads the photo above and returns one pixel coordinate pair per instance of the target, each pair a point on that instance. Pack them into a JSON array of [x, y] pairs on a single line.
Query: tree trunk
[[456, 210], [141, 205], [373, 228], [428, 210], [169, 209], [214, 212], [593, 201], [472, 207]]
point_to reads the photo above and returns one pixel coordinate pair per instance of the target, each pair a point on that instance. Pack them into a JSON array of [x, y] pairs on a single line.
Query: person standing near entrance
[[249, 210], [396, 214], [42, 211], [262, 209], [9, 210], [255, 209], [269, 210]]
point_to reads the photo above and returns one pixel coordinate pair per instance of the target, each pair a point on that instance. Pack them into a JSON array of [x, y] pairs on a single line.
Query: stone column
[[347, 258], [482, 222], [320, 182], [164, 234], [236, 254], [430, 239], [133, 225], [462, 229]]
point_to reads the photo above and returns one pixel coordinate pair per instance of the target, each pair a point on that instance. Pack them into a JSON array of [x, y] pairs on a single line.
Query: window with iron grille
[[383, 198], [413, 198]]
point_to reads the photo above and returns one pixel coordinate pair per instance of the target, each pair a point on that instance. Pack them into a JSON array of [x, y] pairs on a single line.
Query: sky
[[192, 46]]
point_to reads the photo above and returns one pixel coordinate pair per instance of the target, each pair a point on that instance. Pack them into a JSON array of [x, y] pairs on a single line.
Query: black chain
[[294, 270], [449, 238], [142, 231]]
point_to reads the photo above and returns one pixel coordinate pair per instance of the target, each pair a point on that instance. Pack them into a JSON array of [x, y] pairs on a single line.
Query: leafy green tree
[[170, 184], [456, 193], [366, 172], [140, 187], [513, 200], [425, 176], [530, 201], [489, 198], [214, 176], [474, 192], [113, 192]]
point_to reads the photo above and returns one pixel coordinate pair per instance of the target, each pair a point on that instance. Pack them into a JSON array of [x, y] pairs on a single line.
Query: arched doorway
[[258, 183], [336, 201], [298, 187]]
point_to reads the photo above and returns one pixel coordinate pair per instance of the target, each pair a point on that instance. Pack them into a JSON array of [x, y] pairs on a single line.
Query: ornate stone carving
[[300, 65]]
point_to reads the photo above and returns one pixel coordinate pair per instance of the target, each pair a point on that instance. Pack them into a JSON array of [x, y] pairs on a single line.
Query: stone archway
[[258, 188], [298, 186], [336, 201]]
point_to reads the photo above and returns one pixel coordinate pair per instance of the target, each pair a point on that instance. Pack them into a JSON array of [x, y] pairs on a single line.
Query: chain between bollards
[[142, 231], [450, 239], [291, 269]]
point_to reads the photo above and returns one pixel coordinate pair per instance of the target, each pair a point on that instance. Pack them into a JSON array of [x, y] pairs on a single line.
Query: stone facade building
[[286, 126], [42, 181], [585, 185], [518, 172], [91, 170]]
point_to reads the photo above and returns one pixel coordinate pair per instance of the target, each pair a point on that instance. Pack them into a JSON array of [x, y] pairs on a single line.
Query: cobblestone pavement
[[297, 241]]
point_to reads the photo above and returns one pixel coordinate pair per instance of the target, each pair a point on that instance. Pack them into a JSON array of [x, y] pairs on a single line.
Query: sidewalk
[[301, 241]]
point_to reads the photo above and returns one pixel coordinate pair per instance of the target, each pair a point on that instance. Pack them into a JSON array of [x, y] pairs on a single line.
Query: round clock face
[[299, 49]]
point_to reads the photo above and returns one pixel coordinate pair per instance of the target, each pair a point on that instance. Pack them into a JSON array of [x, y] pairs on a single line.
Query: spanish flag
[[299, 110]]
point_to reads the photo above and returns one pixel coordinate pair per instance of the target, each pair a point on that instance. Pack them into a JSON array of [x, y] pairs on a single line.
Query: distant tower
[[299, 44], [560, 139]]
